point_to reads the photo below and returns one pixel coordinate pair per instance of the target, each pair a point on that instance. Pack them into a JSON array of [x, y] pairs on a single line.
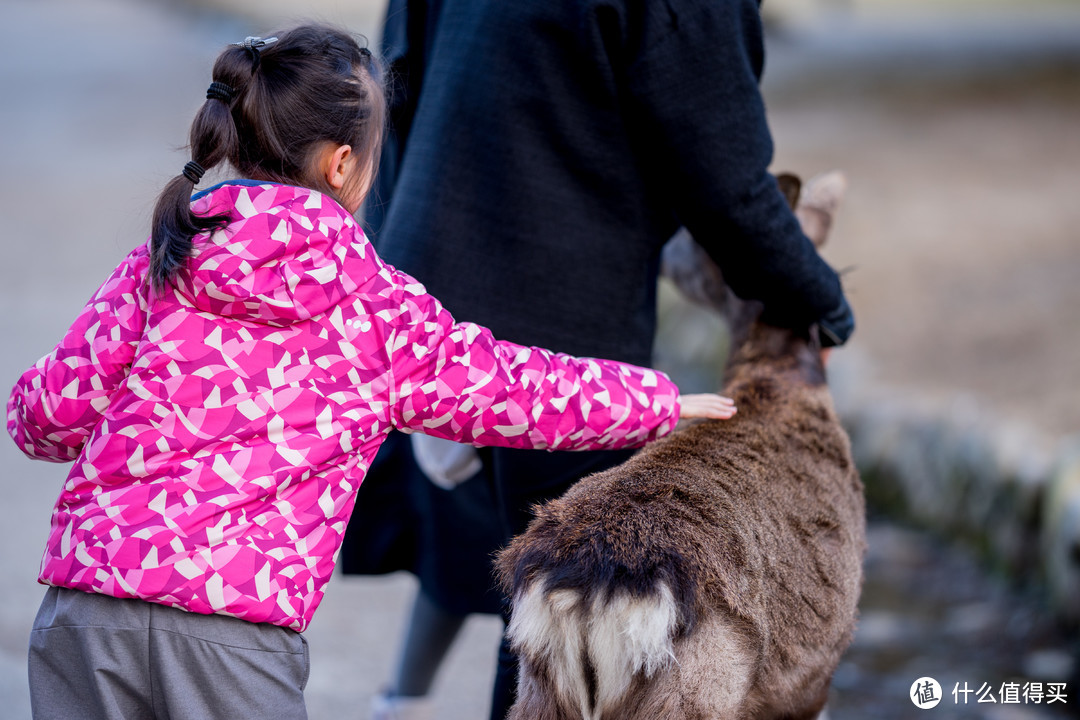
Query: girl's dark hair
[[314, 85]]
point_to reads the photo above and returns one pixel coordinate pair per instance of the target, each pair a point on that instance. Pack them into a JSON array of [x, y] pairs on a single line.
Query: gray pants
[[95, 657]]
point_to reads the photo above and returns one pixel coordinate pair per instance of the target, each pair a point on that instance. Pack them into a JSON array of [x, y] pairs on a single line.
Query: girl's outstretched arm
[[456, 381]]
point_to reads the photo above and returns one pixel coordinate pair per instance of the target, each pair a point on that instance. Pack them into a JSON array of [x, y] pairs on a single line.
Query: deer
[[716, 573]]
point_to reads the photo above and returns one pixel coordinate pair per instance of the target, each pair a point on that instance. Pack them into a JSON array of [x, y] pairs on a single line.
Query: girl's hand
[[714, 407]]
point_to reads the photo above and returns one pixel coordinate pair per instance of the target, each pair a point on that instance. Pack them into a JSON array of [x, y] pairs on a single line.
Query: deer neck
[[777, 353]]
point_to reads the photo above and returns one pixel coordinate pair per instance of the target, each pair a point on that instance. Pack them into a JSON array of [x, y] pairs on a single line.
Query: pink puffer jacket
[[220, 431]]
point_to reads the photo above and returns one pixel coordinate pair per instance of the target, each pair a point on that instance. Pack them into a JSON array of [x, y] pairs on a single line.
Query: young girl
[[225, 390]]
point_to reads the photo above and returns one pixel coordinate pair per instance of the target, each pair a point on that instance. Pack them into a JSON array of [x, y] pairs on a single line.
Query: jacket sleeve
[[456, 381], [58, 402], [693, 92]]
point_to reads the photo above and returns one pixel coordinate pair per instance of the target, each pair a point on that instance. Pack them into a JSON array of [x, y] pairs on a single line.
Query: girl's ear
[[334, 165]]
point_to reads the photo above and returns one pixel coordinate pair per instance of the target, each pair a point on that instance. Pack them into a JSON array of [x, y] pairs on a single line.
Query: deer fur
[[715, 575]]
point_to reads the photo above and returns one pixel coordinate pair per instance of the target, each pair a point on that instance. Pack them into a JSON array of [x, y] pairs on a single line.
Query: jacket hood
[[280, 260]]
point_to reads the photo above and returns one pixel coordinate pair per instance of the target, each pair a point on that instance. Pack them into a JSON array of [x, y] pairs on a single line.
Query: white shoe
[[385, 706]]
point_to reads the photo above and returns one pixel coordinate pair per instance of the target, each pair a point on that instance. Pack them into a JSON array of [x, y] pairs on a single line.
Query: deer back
[[716, 573]]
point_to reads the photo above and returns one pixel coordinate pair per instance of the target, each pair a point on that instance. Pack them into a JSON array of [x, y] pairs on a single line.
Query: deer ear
[[825, 191], [819, 203], [790, 185]]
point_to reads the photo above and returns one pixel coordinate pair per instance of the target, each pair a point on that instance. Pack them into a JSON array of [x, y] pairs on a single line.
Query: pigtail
[[212, 139]]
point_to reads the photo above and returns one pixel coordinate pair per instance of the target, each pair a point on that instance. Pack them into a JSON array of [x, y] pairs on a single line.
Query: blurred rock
[[1061, 536], [951, 465], [971, 619], [1050, 665]]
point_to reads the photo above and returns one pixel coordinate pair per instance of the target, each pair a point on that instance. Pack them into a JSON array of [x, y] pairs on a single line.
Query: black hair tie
[[220, 91], [193, 171]]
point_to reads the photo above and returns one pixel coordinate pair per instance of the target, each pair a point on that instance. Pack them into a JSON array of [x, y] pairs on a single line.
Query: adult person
[[540, 155]]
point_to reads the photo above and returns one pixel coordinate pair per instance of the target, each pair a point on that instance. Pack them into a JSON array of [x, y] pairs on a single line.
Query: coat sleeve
[[693, 92], [56, 404], [456, 381]]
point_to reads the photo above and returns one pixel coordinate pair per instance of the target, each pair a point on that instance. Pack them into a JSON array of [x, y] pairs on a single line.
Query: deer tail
[[592, 649]]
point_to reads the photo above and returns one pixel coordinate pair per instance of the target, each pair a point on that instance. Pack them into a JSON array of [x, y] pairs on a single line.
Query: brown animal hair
[[715, 575], [280, 104]]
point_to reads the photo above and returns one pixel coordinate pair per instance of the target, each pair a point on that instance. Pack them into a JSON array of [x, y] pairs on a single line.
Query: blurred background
[[958, 125]]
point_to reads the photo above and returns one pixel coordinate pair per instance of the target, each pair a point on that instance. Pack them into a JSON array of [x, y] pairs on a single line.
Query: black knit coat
[[543, 152]]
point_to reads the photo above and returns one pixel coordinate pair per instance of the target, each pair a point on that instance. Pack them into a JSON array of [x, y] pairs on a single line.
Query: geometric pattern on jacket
[[219, 429]]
